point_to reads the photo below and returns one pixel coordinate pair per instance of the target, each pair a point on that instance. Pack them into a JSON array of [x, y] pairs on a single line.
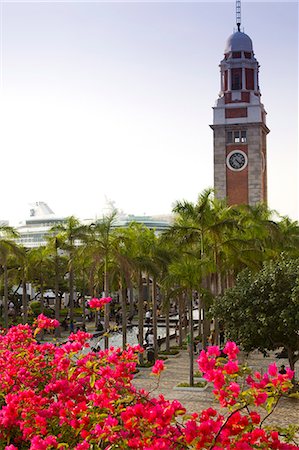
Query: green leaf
[[71, 372], [270, 404], [92, 379]]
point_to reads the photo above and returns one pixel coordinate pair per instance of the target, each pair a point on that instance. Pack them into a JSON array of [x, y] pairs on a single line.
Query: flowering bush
[[99, 303], [58, 397]]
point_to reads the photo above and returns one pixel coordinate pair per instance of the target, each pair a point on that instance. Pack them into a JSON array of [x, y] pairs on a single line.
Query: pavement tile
[[177, 371]]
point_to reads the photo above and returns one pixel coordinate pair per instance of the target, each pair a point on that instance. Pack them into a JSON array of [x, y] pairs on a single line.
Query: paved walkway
[[177, 371]]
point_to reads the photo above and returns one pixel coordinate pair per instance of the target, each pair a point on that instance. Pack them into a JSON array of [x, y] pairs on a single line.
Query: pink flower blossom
[[231, 367], [158, 367], [44, 322], [234, 388], [98, 303], [231, 350], [290, 373], [272, 369], [53, 395], [213, 350], [260, 398]]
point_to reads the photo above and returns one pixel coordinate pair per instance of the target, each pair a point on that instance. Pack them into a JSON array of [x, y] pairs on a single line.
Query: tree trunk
[[291, 358], [185, 320], [57, 300], [123, 298], [42, 306], [24, 301], [71, 287], [216, 322], [106, 308], [140, 315], [206, 322], [181, 316], [147, 289], [191, 340], [167, 326], [83, 301], [199, 334], [5, 309], [131, 299], [155, 322]]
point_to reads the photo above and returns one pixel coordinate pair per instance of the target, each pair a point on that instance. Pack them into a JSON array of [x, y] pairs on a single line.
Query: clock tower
[[239, 125]]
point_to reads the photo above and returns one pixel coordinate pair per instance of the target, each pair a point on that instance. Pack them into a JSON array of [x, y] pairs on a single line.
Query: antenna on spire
[[238, 13]]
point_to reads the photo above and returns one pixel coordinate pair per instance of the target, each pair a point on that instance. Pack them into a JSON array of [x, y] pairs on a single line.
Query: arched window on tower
[[236, 79], [249, 79]]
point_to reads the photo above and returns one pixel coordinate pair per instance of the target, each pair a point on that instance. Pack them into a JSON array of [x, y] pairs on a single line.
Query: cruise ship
[[34, 231]]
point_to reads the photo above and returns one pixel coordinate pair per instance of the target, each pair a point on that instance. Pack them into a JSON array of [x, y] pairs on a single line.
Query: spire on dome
[[238, 14]]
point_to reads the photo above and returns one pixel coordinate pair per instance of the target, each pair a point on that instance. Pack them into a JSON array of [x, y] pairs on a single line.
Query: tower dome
[[238, 42]]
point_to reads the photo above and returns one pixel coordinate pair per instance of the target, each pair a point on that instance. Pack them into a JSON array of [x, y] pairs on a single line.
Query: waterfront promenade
[[177, 371]]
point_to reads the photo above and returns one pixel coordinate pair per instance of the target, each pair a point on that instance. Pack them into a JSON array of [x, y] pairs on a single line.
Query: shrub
[[62, 397]]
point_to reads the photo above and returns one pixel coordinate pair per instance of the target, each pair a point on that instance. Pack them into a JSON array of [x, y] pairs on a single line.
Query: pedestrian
[[199, 347], [282, 370], [148, 316], [150, 338], [64, 324]]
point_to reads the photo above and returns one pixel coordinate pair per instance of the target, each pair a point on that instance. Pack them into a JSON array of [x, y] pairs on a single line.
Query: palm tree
[[70, 234], [7, 247], [259, 233], [162, 254], [124, 269], [102, 239], [187, 274], [57, 261], [39, 270], [24, 268], [140, 241], [199, 228], [83, 263], [288, 242]]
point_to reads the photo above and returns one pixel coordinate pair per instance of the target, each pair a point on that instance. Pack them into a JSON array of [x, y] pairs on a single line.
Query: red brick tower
[[239, 125]]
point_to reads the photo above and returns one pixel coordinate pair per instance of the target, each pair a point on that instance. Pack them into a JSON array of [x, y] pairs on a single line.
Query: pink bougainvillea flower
[[98, 303], [45, 323], [290, 373], [80, 336], [59, 397], [231, 350], [231, 367], [260, 398], [213, 350], [158, 367], [272, 369]]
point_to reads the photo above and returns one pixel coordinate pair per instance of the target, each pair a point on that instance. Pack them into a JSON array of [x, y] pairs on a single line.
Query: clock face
[[236, 160]]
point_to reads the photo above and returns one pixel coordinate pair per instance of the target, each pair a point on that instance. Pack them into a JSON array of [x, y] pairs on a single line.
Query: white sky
[[115, 99]]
